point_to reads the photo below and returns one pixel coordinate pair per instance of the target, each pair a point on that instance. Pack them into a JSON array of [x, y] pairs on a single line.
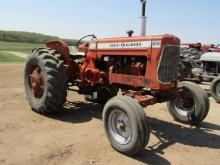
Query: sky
[[190, 20]]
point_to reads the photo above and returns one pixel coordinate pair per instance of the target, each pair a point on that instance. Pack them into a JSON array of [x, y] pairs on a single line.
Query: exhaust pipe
[[143, 18]]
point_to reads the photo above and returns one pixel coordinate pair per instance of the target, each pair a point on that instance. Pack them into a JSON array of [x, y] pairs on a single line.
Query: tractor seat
[[77, 57], [78, 54]]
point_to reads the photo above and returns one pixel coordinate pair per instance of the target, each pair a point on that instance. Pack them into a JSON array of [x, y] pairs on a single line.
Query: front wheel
[[191, 105], [125, 125], [215, 89]]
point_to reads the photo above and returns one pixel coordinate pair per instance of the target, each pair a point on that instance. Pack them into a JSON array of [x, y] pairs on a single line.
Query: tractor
[[190, 54], [210, 72], [201, 47], [215, 48], [190, 59], [142, 68]]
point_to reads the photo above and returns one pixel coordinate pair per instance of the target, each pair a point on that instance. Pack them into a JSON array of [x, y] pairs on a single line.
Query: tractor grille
[[169, 62]]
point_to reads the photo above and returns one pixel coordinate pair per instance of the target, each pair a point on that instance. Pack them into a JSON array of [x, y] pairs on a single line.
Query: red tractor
[[143, 68], [215, 48], [201, 48]]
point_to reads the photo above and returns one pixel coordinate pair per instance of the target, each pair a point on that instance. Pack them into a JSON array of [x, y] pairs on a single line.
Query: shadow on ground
[[166, 132], [78, 112], [169, 134]]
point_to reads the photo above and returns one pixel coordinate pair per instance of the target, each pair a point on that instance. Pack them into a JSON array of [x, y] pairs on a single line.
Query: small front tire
[[191, 105], [215, 89], [125, 125]]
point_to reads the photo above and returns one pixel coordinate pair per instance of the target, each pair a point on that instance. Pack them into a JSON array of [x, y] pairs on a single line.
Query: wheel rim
[[120, 127], [36, 82], [185, 104], [218, 89]]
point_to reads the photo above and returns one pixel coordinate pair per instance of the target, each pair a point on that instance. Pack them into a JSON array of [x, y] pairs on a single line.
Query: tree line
[[29, 37]]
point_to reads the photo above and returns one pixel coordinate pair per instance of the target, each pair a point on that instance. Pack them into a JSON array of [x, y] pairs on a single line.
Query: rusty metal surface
[[136, 81], [36, 82]]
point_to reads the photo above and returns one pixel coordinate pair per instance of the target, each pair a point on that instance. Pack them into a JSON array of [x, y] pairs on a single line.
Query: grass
[[7, 57], [18, 47], [24, 47]]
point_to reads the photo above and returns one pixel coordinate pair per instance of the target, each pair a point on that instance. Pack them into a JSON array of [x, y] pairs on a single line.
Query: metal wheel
[[125, 125], [185, 104], [36, 82], [120, 127]]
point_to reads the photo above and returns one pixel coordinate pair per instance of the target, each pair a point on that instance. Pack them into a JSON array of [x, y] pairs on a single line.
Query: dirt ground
[[76, 135]]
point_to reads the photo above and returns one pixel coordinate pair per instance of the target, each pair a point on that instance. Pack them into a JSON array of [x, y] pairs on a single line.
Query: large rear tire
[[191, 105], [215, 89], [45, 81], [125, 125]]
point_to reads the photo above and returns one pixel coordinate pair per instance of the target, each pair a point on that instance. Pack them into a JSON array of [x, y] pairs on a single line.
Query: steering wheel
[[91, 35]]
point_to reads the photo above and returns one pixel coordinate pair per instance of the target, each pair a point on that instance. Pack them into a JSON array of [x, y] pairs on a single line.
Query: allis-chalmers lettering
[[130, 44]]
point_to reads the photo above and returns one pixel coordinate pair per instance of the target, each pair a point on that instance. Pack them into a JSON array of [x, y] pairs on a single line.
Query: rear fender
[[63, 49]]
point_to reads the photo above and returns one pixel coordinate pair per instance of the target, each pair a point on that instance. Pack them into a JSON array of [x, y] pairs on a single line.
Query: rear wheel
[[191, 105], [125, 125], [45, 81], [215, 89]]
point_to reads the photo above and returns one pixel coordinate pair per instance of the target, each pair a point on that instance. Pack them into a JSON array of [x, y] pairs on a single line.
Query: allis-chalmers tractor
[[143, 68]]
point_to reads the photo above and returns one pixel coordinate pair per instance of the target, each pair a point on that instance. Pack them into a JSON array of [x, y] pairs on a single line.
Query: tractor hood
[[128, 43], [211, 56]]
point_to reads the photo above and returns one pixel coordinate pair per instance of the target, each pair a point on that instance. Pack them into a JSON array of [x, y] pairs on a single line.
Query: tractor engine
[[133, 65]]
